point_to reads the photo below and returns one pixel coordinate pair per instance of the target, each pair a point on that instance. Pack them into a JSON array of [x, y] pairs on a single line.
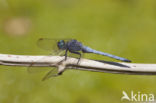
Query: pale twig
[[84, 64]]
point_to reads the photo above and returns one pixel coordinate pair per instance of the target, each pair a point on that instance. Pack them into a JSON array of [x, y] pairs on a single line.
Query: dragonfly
[[65, 46]]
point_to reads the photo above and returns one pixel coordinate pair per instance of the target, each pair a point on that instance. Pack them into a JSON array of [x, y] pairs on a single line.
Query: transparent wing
[[50, 44], [32, 69], [51, 73]]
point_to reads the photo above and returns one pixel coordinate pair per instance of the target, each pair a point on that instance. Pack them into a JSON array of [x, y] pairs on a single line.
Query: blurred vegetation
[[126, 28]]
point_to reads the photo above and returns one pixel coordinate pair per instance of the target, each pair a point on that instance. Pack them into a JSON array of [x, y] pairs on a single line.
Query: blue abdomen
[[86, 49]]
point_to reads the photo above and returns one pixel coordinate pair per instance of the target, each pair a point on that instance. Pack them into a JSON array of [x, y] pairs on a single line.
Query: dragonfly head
[[61, 44]]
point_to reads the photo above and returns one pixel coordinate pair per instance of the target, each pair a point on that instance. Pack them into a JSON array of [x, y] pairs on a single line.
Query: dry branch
[[71, 63]]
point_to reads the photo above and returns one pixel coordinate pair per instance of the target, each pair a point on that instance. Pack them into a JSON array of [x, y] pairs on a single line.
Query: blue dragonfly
[[73, 46], [63, 46]]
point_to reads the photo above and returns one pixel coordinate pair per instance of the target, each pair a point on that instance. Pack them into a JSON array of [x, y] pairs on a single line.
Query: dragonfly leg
[[66, 54], [78, 54]]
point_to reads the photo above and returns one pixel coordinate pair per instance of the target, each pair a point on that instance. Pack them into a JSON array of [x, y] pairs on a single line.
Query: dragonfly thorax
[[61, 44]]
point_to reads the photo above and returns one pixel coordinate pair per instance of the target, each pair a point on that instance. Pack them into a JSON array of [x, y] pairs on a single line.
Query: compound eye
[[61, 44]]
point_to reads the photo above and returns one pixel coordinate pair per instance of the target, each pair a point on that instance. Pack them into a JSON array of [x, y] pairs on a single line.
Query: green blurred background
[[126, 28]]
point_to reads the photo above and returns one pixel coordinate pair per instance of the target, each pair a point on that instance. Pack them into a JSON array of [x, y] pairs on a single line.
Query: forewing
[[47, 44], [51, 45]]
